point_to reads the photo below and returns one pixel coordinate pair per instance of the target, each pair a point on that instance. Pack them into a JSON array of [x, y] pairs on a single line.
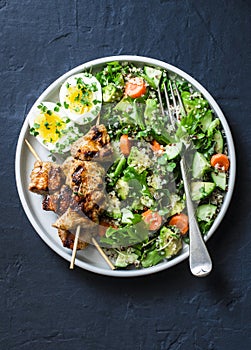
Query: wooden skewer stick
[[32, 150], [75, 245], [98, 120], [74, 250], [103, 254]]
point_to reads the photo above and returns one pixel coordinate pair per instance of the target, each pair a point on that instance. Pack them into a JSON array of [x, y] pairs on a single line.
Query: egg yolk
[[49, 126], [79, 101]]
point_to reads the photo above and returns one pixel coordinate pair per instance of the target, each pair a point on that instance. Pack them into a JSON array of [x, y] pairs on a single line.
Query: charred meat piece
[[86, 181], [84, 190], [93, 204], [49, 203], [68, 238], [85, 177], [105, 153], [56, 178], [94, 145], [46, 177], [39, 178], [65, 200], [59, 201], [73, 218], [66, 166]]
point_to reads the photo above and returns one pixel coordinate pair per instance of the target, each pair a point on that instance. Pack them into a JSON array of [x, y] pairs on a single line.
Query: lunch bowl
[[90, 259]]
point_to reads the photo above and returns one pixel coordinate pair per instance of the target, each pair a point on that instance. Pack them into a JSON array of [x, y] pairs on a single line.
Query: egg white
[[91, 82], [68, 134]]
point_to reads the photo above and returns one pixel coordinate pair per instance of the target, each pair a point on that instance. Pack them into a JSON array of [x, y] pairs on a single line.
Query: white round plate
[[89, 258]]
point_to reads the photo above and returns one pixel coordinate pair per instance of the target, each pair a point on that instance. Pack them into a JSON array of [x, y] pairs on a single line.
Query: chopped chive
[[44, 108], [34, 132], [46, 124], [80, 81], [93, 87], [77, 98], [96, 102]]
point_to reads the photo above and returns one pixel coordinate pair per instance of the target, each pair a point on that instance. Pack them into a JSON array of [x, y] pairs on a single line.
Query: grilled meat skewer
[[59, 201], [68, 238], [85, 175], [71, 219], [75, 189], [45, 180], [95, 145], [85, 178], [46, 177]]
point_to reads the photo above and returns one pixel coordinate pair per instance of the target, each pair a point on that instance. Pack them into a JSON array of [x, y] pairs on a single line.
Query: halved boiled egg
[[81, 97], [52, 128]]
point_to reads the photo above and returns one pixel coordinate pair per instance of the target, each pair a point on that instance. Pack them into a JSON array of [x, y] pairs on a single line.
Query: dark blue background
[[43, 304]]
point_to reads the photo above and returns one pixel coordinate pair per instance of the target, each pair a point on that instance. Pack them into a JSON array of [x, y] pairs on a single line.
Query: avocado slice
[[173, 150], [206, 212]]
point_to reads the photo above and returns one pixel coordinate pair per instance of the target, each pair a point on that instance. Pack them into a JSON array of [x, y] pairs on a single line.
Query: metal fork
[[199, 258]]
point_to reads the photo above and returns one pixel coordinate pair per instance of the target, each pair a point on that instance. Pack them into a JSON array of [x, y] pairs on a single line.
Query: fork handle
[[199, 258]]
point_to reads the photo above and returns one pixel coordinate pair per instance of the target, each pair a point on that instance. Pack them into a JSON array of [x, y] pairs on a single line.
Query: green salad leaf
[[125, 236]]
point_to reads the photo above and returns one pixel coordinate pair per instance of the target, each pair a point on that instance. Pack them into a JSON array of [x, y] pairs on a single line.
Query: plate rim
[[231, 182]]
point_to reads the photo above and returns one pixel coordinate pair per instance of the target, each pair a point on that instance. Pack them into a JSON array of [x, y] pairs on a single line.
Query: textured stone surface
[[43, 305]]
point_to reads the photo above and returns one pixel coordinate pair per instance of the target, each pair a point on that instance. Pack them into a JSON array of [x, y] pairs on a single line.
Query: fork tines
[[176, 108]]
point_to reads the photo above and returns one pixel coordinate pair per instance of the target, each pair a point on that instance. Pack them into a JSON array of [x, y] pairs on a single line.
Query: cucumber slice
[[220, 180], [200, 165], [200, 190], [173, 150], [152, 76], [218, 141], [206, 212], [206, 120], [213, 127]]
